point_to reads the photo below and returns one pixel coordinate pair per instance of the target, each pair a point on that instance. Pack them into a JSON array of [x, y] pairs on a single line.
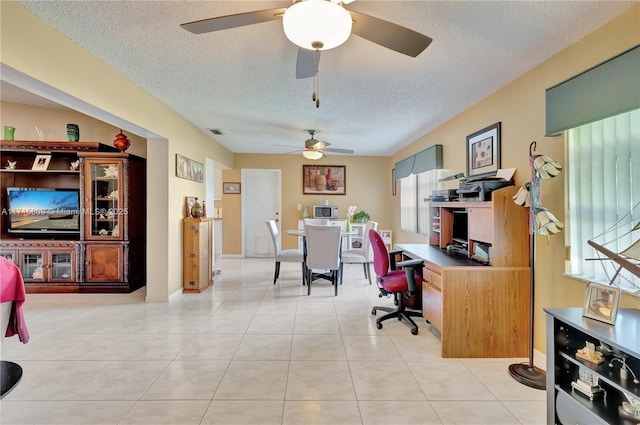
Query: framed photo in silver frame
[[601, 302]]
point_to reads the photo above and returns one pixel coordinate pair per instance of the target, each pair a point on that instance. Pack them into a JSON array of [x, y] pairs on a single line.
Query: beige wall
[[33, 48], [368, 186], [520, 107]]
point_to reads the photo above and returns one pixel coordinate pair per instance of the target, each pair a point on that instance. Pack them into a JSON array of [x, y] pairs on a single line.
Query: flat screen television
[[43, 210], [460, 228]]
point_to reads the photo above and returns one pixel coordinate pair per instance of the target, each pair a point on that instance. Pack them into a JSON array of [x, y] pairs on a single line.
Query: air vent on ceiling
[[216, 131]]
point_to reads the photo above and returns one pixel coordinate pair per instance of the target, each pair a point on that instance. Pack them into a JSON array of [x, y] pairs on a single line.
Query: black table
[[10, 375]]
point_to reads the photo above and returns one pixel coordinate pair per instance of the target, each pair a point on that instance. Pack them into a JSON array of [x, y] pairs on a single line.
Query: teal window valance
[[425, 160], [608, 89]]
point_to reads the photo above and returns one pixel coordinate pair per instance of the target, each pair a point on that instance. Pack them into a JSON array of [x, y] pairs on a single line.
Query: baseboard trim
[[177, 294]]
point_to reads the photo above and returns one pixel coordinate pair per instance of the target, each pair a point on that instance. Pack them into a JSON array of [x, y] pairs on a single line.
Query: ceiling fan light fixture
[[312, 154], [317, 24]]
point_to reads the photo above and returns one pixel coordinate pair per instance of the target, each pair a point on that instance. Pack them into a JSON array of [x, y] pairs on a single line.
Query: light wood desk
[[478, 311]]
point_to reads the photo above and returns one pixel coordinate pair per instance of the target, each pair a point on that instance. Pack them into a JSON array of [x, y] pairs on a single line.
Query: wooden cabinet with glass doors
[[106, 252]]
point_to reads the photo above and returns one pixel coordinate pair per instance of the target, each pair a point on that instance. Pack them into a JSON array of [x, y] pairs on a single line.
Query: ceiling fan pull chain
[[317, 99]]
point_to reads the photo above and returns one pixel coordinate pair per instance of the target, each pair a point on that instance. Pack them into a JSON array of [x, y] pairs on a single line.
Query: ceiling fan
[[316, 149], [316, 25]]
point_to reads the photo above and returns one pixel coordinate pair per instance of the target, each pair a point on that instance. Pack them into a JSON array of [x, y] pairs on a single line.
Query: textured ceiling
[[373, 100]]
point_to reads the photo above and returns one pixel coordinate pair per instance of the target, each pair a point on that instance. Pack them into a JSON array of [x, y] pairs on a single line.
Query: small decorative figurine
[[74, 165], [111, 171], [103, 232], [113, 194], [37, 273], [12, 165]]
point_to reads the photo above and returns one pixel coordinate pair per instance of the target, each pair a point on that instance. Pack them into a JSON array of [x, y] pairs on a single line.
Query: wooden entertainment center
[[105, 248], [478, 310]]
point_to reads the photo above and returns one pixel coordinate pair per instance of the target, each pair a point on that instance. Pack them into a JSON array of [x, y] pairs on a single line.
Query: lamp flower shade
[[546, 223], [545, 167]]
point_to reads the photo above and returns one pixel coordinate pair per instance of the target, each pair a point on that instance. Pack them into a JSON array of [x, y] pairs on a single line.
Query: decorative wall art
[[483, 151], [324, 179], [601, 302], [189, 169], [231, 187]]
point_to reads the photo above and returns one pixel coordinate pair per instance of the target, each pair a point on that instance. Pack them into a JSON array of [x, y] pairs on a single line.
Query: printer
[[480, 188]]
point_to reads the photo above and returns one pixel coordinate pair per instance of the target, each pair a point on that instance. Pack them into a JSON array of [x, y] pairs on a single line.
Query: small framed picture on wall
[[231, 187]]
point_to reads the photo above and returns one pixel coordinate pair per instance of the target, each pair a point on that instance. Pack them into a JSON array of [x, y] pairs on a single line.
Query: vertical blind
[[604, 187]]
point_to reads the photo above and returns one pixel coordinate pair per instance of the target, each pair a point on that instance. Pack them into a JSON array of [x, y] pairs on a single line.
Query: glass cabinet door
[[32, 266], [9, 254], [104, 215], [61, 266]]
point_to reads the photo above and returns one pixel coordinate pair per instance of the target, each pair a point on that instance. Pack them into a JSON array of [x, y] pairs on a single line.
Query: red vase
[[329, 179], [121, 142]]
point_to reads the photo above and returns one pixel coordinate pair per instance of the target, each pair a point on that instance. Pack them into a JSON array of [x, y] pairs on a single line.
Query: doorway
[[261, 201]]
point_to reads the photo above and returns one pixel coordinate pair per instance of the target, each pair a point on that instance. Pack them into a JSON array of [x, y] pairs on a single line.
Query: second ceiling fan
[[316, 149], [316, 25]]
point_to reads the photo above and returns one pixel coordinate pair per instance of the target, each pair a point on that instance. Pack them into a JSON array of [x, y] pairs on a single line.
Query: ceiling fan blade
[[321, 145], [387, 34], [337, 150], [307, 63], [233, 21]]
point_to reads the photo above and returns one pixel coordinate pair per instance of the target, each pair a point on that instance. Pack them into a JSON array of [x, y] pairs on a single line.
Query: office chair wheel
[[414, 332], [378, 325], [373, 311]]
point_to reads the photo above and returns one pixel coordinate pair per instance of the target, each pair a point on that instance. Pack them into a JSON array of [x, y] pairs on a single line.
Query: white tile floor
[[248, 352]]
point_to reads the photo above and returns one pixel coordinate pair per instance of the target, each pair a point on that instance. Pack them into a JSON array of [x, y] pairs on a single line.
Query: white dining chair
[[363, 255], [323, 253], [286, 255]]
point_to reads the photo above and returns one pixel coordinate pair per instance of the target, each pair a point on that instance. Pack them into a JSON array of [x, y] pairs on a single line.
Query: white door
[[261, 198]]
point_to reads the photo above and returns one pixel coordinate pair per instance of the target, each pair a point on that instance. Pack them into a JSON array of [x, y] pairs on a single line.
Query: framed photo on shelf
[[41, 162], [483, 151], [324, 180], [601, 302], [231, 187], [188, 204]]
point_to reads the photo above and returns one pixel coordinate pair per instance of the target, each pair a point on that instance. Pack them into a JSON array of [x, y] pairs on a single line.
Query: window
[[414, 214], [603, 196]]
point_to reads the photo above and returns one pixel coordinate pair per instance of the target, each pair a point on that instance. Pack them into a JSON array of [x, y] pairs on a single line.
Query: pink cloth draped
[[12, 290]]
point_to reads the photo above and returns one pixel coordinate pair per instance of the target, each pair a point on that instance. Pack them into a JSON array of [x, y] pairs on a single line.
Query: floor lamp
[[542, 222]]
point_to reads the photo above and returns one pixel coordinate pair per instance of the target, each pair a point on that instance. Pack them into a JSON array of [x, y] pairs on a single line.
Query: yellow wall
[[368, 186], [520, 107]]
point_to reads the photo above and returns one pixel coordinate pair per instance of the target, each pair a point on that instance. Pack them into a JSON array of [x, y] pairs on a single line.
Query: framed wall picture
[[189, 169], [41, 162], [601, 302], [231, 187], [483, 151], [324, 180]]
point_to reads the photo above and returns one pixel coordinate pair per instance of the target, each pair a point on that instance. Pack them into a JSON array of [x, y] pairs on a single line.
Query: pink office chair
[[401, 283]]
